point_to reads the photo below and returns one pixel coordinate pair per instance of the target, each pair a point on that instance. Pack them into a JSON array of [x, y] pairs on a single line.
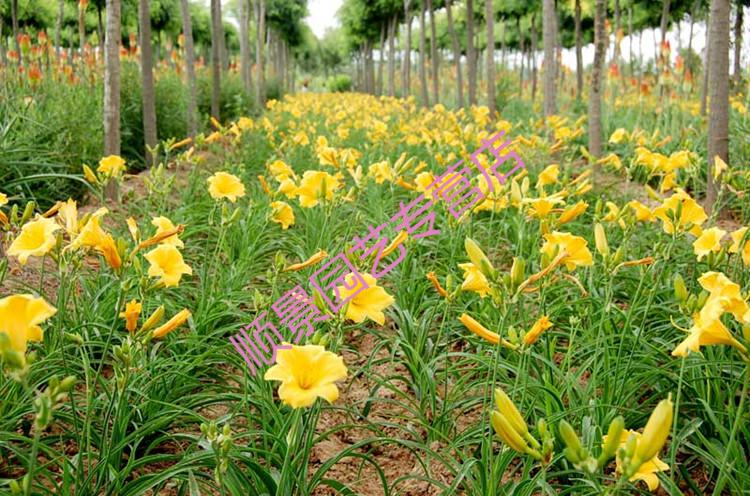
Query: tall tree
[[595, 95], [58, 26], [407, 50], [579, 50], [187, 31], [260, 19], [434, 62], [456, 53], [706, 62], [147, 78], [245, 69], [82, 4], [381, 62], [471, 62], [392, 55], [217, 33], [549, 25], [422, 62], [489, 15], [718, 120], [738, 46], [14, 25], [112, 86]]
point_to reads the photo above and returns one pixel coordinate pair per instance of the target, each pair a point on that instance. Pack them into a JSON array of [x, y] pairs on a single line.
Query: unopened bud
[[609, 448], [28, 211], [518, 271], [600, 237], [569, 436], [680, 290]]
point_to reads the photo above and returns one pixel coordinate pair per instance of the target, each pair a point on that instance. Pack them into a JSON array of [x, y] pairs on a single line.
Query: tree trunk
[[381, 63], [81, 27], [100, 28], [595, 96], [434, 62], [533, 58], [58, 27], [471, 62], [422, 64], [664, 20], [690, 35], [579, 50], [522, 48], [456, 53], [245, 69], [630, 39], [718, 120], [407, 49], [147, 79], [217, 33], [616, 50], [489, 14], [706, 61], [260, 20], [111, 111], [738, 47], [392, 56], [187, 31], [549, 25]]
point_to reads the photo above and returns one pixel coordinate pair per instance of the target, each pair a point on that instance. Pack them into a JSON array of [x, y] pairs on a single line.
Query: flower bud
[[656, 432], [507, 433], [89, 175], [506, 407], [518, 271], [154, 319], [600, 237], [569, 437], [609, 448], [28, 212], [478, 258], [680, 291]]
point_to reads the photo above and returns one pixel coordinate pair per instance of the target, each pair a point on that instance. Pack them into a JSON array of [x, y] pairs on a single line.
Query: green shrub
[[339, 83]]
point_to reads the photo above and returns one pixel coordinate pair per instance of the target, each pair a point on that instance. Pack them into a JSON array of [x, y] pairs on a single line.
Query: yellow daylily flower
[[167, 264], [20, 316], [36, 239], [709, 241], [164, 225], [618, 136], [668, 183], [642, 212], [381, 171], [737, 237], [3, 199], [436, 284], [548, 176], [225, 185], [93, 236], [647, 470], [706, 333], [367, 303], [572, 212], [316, 186], [306, 373], [280, 170], [68, 214], [576, 249], [131, 314], [282, 214], [474, 279], [541, 207], [613, 212], [719, 167], [111, 166], [692, 214]]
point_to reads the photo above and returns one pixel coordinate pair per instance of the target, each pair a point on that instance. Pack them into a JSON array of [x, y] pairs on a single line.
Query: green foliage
[[339, 83]]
